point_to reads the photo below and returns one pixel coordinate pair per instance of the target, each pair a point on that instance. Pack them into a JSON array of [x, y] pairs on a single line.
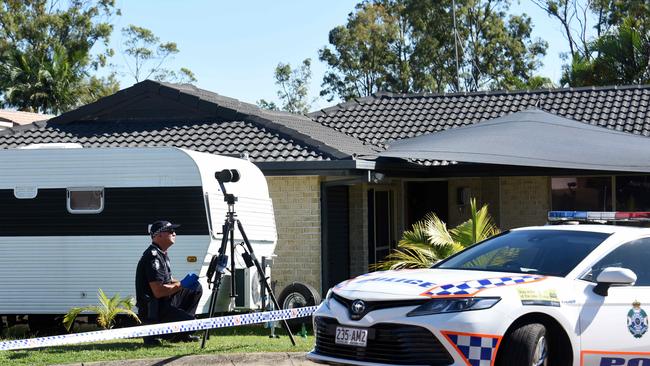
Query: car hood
[[428, 283]]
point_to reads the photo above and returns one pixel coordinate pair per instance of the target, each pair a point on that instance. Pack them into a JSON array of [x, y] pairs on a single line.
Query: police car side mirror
[[613, 276]]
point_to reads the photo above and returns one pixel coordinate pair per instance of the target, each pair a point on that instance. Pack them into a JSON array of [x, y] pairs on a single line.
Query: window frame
[[84, 189], [588, 269]]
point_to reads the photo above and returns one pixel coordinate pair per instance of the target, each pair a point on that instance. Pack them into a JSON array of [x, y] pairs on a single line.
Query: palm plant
[[429, 240], [106, 311]]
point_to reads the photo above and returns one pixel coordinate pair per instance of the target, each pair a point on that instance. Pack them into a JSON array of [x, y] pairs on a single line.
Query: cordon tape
[[156, 329]]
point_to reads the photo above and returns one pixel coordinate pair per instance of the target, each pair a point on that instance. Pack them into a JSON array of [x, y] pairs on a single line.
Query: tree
[[106, 312], [592, 29], [294, 88], [620, 57], [429, 240], [149, 55], [363, 55], [408, 46], [45, 58]]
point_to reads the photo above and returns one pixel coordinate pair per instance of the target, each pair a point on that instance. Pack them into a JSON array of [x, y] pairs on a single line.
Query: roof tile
[[623, 108]]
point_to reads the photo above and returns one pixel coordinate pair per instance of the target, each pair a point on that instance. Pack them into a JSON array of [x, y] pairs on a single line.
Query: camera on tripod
[[219, 262], [227, 176]]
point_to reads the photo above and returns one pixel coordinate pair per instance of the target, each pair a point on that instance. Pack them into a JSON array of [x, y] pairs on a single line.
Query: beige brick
[[296, 201], [525, 201]]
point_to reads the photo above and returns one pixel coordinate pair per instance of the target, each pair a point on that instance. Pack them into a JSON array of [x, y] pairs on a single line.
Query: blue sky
[[234, 46]]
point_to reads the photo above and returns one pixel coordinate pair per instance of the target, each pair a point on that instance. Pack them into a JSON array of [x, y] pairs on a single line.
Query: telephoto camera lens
[[227, 175]]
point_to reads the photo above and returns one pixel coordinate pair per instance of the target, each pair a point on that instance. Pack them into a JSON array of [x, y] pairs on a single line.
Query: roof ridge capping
[[281, 121]]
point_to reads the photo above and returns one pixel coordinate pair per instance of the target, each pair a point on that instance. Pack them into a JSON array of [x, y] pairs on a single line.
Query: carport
[[532, 138]]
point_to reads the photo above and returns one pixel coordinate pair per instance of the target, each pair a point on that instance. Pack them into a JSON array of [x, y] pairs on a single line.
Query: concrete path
[[237, 359]]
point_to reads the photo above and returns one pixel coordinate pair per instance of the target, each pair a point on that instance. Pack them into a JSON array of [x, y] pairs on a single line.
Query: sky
[[233, 46]]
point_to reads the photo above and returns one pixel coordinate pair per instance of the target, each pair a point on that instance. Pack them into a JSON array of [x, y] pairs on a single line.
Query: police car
[[550, 295]]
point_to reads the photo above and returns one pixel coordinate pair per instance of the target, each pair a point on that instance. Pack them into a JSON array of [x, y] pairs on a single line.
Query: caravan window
[[85, 200]]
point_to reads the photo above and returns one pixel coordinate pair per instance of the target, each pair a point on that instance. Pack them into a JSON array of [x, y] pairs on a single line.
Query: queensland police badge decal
[[637, 320]]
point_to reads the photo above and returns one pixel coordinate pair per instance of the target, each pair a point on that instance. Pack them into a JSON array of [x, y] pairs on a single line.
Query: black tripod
[[219, 262]]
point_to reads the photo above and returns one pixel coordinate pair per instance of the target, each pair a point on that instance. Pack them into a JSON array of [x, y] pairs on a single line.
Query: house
[[9, 118], [338, 206]]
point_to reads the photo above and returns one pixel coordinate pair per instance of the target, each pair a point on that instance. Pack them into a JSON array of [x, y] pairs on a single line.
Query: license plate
[[351, 336]]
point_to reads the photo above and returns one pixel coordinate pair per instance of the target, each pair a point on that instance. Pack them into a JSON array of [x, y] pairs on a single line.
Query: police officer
[[159, 297]]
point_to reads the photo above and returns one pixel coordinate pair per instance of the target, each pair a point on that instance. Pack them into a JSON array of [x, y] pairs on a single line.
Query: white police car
[[551, 295]]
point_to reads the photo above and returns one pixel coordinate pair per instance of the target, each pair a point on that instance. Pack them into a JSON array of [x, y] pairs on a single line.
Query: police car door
[[615, 327]]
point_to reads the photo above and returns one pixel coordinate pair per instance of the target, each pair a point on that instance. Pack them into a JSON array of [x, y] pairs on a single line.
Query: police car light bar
[[597, 216]]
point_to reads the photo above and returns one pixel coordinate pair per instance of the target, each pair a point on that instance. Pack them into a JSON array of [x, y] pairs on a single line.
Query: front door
[[615, 327]]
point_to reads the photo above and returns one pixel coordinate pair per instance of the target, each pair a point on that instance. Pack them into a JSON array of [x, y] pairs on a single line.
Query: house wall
[[359, 222], [296, 202], [525, 201], [485, 190], [513, 202]]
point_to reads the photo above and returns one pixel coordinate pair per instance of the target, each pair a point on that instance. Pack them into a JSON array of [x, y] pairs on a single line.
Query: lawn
[[226, 340]]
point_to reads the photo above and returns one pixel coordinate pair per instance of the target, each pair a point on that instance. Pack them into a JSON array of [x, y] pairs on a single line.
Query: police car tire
[[296, 295], [519, 346]]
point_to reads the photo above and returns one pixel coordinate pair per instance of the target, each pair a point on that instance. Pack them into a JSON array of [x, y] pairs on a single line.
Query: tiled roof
[[385, 117], [22, 118], [197, 120]]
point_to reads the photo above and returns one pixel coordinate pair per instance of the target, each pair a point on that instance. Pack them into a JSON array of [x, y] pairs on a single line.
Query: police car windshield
[[544, 252]]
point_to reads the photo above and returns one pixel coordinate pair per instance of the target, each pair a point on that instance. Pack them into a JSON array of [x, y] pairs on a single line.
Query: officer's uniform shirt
[[153, 266]]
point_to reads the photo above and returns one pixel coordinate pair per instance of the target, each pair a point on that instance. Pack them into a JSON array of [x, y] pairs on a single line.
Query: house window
[[581, 193], [633, 193], [85, 200]]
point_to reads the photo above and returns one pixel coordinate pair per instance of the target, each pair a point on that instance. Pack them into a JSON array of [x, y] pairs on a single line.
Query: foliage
[[148, 55], [45, 58], [620, 57], [106, 312], [363, 57], [294, 88], [607, 40], [429, 240], [408, 46], [98, 87]]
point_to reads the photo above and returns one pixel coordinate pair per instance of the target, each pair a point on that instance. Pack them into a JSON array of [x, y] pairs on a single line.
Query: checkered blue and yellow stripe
[[471, 288], [475, 349]]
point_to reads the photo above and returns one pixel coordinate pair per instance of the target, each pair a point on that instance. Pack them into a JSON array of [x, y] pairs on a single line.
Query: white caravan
[[74, 220]]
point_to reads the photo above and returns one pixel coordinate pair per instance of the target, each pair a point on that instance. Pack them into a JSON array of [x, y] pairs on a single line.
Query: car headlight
[[440, 306]]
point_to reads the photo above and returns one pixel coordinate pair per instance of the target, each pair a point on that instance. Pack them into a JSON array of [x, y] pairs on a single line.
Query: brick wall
[[296, 202], [460, 213], [525, 201]]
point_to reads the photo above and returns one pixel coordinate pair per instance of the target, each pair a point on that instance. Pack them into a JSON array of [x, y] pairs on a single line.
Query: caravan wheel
[[298, 295]]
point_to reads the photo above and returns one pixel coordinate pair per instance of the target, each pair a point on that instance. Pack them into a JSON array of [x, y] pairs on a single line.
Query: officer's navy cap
[[160, 226]]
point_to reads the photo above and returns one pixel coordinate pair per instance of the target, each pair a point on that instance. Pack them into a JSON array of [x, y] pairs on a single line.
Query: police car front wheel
[[526, 345]]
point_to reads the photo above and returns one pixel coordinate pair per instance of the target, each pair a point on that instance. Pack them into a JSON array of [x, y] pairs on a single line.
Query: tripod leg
[[233, 287], [261, 273], [218, 275]]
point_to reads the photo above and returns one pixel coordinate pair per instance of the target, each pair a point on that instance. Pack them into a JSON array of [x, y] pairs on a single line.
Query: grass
[[246, 339]]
